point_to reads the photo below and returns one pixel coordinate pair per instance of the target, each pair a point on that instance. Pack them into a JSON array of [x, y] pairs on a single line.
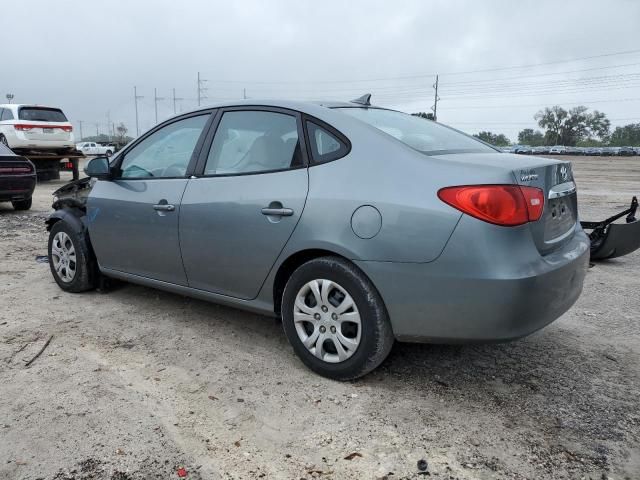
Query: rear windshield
[[423, 135], [41, 114]]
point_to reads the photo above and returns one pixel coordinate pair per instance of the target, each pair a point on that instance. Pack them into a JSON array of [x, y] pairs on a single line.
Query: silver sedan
[[357, 225]]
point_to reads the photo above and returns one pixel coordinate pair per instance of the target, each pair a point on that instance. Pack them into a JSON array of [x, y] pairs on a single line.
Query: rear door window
[[254, 141], [41, 114]]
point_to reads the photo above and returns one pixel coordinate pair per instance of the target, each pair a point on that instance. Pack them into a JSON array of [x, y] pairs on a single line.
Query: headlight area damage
[[611, 240], [73, 195]]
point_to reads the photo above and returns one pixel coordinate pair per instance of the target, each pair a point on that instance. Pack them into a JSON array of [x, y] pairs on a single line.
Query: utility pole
[[244, 93], [80, 124], [156, 98], [201, 89], [97, 129], [174, 101], [109, 124], [136, 97], [435, 101], [10, 97]]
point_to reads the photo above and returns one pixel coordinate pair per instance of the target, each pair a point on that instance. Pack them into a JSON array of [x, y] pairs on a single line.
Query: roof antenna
[[363, 100]]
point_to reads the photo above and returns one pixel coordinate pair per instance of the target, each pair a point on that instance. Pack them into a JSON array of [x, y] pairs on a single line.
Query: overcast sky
[[86, 56]]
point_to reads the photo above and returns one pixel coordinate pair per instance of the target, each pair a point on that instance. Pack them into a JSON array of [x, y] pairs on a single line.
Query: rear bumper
[[498, 296], [17, 140], [17, 187]]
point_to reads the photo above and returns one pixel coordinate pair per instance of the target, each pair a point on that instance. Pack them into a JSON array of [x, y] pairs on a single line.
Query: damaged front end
[[611, 240], [73, 194]]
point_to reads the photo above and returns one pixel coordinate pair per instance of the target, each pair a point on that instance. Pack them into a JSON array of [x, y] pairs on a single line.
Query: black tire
[[109, 153], [3, 140], [22, 204], [376, 333], [86, 268]]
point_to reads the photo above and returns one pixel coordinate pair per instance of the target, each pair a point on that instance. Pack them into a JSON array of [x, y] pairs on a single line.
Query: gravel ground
[[137, 383]]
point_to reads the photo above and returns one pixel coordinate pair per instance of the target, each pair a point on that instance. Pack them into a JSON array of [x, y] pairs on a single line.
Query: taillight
[[25, 127], [15, 170], [507, 205]]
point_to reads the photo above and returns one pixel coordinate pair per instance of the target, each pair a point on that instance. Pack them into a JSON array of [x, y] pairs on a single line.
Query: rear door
[[237, 216], [133, 219]]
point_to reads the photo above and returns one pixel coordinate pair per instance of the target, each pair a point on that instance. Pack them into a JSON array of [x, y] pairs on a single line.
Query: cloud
[[86, 56]]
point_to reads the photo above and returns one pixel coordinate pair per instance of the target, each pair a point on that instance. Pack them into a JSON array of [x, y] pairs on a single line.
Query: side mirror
[[98, 168]]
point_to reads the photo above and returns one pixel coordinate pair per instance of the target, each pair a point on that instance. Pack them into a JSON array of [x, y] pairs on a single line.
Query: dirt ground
[[138, 383]]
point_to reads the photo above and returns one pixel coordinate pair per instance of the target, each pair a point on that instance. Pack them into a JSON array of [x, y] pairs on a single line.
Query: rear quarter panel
[[401, 183]]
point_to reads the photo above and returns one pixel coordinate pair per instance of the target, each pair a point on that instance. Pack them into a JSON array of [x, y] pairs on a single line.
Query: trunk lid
[[560, 214]]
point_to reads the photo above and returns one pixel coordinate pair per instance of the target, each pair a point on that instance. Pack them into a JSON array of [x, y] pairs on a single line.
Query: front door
[[133, 219], [238, 215]]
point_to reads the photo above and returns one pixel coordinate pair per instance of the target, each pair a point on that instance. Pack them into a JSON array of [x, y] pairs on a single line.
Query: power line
[[537, 105], [432, 74]]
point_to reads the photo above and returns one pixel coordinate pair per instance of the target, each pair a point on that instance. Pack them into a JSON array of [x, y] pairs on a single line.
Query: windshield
[[40, 114], [423, 135]]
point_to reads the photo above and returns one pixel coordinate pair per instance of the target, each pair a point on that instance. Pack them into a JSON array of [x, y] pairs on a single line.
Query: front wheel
[[3, 140], [72, 264], [335, 319], [108, 153]]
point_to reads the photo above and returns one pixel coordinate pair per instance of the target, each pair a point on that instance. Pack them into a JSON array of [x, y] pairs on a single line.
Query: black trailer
[[49, 164]]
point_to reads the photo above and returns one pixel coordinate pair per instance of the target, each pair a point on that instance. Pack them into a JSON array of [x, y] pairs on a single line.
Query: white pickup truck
[[93, 148]]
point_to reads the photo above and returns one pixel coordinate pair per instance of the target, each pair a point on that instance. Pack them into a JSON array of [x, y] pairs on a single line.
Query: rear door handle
[[164, 207], [277, 212]]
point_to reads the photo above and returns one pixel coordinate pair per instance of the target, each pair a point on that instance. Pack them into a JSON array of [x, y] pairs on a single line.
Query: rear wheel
[[335, 319], [72, 264], [3, 140], [22, 204], [108, 153]]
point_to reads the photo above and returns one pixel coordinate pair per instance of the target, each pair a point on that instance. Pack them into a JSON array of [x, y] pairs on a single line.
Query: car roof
[[299, 105], [16, 105]]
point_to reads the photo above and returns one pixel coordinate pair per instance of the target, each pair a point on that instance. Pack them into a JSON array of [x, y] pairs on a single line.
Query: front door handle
[[277, 212], [164, 207]]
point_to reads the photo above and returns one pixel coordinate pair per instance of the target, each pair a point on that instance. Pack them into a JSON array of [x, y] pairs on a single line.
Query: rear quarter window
[[325, 145], [40, 114]]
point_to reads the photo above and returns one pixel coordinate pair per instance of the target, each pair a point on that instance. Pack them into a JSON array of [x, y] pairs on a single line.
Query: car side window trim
[[212, 113], [208, 143], [332, 130]]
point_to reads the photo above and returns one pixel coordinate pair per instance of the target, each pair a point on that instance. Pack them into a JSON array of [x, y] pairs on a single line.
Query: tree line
[[574, 127]]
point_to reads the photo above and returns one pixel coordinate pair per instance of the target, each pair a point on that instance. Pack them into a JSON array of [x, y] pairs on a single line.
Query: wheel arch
[[292, 262], [77, 219]]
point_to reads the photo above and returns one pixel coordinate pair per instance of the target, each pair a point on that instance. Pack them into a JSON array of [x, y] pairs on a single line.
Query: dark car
[[17, 179], [626, 151]]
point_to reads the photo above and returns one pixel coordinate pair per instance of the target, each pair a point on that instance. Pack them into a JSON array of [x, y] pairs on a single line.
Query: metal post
[[435, 101], [80, 123], [135, 98], [198, 88], [175, 99], [156, 98]]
